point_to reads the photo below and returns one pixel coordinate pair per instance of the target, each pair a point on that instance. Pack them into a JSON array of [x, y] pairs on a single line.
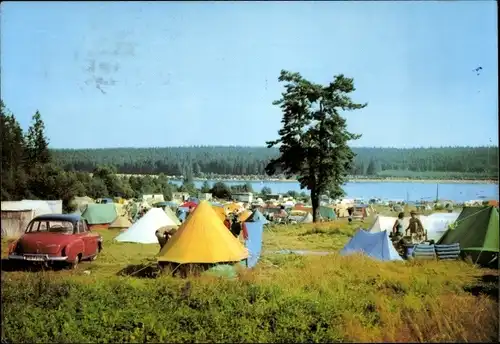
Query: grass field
[[286, 298]]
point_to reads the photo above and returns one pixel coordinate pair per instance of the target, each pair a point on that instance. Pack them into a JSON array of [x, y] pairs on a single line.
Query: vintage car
[[56, 238]]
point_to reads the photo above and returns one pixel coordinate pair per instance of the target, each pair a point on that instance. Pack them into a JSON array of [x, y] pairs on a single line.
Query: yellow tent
[[203, 238], [244, 215], [120, 222], [220, 212]]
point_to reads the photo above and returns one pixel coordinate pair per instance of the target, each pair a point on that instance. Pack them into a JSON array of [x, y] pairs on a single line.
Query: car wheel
[[94, 257], [74, 264]]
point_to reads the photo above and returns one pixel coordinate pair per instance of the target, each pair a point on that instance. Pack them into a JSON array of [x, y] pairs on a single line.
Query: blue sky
[[196, 73]]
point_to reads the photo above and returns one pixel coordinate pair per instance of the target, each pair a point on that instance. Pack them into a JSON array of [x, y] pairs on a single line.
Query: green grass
[[286, 298]]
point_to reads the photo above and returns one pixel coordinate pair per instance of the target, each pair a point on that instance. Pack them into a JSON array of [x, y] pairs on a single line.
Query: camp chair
[[424, 252], [448, 252]]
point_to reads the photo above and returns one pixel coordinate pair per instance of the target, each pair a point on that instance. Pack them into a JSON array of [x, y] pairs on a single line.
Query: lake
[[414, 191]]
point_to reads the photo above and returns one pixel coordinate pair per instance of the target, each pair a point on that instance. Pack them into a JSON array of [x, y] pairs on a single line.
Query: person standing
[[397, 228], [415, 227]]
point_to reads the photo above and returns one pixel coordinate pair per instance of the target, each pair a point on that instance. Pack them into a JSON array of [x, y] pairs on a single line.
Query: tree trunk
[[315, 205]]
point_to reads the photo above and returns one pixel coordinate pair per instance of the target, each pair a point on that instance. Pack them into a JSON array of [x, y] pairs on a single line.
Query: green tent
[[172, 216], [476, 230], [98, 213], [327, 213]]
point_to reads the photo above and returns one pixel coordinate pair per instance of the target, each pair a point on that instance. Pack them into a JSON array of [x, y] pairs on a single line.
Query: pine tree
[[313, 141], [37, 144]]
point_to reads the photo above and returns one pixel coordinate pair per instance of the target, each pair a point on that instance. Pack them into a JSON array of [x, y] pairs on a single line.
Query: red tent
[[189, 205]]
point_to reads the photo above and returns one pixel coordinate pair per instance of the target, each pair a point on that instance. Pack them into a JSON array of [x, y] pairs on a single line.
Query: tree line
[[206, 161]]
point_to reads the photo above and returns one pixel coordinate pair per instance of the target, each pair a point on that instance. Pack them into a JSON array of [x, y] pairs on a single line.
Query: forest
[[207, 161]]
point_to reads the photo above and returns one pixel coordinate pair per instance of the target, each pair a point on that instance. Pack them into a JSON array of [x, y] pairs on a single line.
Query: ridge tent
[[436, 224], [327, 213], [143, 231], [203, 238], [100, 215], [257, 217], [375, 245], [385, 223], [476, 230], [121, 222], [254, 242]]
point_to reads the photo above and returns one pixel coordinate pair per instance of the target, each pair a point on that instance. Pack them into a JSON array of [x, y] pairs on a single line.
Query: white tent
[[436, 224], [375, 245], [385, 223], [143, 231]]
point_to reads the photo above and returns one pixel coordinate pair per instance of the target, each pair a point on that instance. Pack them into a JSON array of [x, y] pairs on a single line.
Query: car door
[[89, 244]]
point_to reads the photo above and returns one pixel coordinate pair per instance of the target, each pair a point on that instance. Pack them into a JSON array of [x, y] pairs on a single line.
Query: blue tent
[[257, 217], [254, 242], [376, 245]]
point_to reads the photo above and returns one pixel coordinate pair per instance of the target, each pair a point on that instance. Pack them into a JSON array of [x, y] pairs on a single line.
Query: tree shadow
[[147, 270], [485, 285]]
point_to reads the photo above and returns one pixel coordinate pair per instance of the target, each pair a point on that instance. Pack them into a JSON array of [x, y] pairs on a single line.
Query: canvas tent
[[219, 210], [143, 231], [341, 210], [80, 203], [170, 213], [437, 224], [203, 238], [254, 242], [385, 223], [375, 245], [122, 219], [257, 217], [327, 213], [100, 216], [476, 230]]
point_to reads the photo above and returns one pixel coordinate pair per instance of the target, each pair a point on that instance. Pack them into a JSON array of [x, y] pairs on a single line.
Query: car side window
[[82, 228]]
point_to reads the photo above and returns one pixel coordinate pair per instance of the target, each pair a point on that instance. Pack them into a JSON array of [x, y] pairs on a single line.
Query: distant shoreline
[[250, 179]]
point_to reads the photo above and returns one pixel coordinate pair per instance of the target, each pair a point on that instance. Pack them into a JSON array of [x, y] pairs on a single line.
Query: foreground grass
[[286, 298]]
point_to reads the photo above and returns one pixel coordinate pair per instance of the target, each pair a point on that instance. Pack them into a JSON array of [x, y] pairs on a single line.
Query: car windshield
[[51, 226]]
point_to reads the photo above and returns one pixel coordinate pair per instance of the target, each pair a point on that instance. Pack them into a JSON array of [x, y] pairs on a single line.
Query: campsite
[[249, 172], [300, 286]]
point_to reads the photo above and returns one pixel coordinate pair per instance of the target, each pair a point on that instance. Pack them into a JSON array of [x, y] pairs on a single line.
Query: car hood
[[46, 243]]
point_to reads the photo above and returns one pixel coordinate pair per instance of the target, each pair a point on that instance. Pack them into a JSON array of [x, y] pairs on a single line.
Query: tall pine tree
[[314, 139], [37, 145]]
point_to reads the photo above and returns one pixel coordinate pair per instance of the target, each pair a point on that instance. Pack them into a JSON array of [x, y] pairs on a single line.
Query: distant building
[[180, 196], [246, 197]]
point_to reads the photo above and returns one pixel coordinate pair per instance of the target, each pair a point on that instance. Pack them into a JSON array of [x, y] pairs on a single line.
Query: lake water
[[414, 191]]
